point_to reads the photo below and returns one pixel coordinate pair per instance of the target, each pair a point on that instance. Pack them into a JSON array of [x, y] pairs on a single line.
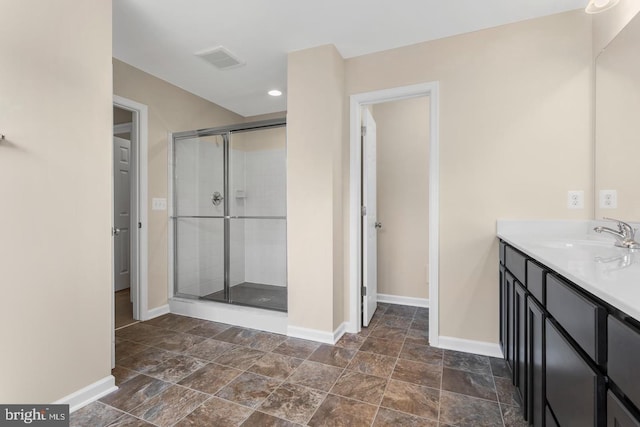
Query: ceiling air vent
[[221, 58]]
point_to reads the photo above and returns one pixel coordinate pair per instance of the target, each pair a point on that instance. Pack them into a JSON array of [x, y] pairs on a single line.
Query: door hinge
[[363, 129], [364, 291], [139, 225], [363, 210]]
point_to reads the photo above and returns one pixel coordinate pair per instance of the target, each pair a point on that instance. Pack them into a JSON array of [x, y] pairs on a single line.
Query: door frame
[[357, 101], [140, 151]]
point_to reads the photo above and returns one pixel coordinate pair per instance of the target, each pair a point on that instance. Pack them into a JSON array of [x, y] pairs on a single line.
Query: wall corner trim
[[156, 312], [395, 299], [470, 346], [317, 335], [88, 394]]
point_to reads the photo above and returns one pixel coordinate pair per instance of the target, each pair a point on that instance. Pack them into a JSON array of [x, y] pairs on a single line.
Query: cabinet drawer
[[582, 318], [617, 414], [502, 246], [535, 281], [574, 390], [624, 356], [516, 263]]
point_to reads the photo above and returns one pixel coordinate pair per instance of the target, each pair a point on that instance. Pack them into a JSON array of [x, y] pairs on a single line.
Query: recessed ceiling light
[[597, 6], [274, 92]]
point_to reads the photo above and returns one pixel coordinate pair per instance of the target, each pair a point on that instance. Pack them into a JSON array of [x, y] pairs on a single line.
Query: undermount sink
[[574, 244]]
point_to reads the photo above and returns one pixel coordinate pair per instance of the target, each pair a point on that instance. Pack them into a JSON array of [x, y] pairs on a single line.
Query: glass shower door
[[199, 212]]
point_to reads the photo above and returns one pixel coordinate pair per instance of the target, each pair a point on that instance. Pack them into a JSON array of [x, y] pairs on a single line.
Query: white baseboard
[[469, 346], [246, 317], [89, 394], [394, 299], [317, 335], [157, 312]]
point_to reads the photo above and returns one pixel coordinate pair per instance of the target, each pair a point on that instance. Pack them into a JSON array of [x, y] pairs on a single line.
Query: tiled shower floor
[[180, 371], [255, 295]]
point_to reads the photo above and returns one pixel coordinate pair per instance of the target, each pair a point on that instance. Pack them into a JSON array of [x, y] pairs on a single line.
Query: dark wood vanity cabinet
[[575, 360]]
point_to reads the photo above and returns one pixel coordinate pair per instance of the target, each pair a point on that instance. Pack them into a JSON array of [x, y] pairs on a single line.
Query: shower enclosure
[[229, 214]]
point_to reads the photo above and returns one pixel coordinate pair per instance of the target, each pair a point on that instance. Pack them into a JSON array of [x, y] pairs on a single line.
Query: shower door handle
[[216, 198]]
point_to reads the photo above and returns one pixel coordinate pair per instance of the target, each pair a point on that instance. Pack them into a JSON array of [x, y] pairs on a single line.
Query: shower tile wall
[[257, 187]]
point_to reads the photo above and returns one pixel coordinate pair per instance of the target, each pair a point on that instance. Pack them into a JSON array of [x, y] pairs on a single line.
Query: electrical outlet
[[158, 204], [608, 199], [575, 199]]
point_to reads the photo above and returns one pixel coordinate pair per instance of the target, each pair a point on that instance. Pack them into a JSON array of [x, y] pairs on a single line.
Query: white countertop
[[586, 258]]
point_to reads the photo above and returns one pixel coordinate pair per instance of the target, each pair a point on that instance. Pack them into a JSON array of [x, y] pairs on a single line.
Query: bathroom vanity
[[570, 323]]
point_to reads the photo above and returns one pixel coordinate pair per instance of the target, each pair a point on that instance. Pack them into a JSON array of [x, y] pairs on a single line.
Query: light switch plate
[[159, 204], [575, 199]]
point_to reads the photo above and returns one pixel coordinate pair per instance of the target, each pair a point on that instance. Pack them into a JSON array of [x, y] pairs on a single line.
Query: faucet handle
[[623, 227]]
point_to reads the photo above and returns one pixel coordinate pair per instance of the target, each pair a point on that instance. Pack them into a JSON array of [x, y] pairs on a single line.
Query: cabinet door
[[574, 390], [535, 363], [509, 290], [617, 414], [503, 311], [520, 306]]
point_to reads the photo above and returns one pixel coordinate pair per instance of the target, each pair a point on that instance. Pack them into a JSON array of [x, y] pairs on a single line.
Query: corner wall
[[56, 174], [171, 109], [515, 136]]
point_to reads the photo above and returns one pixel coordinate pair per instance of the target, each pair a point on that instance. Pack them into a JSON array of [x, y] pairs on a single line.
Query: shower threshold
[[251, 294]]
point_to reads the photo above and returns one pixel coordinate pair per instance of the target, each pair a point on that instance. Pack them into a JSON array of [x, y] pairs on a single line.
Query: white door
[[121, 212], [369, 219]]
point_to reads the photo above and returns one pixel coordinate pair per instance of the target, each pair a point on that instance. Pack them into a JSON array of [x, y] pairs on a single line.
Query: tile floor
[[180, 371]]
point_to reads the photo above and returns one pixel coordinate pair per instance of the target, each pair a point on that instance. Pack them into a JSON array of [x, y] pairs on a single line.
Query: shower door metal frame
[[225, 132]]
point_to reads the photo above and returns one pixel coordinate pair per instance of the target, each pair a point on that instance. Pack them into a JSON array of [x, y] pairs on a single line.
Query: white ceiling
[[162, 36]]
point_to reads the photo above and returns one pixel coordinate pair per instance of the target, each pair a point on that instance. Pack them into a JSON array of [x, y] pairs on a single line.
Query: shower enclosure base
[[254, 295]]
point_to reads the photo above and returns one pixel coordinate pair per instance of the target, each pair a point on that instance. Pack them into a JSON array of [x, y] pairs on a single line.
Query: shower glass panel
[[230, 215]]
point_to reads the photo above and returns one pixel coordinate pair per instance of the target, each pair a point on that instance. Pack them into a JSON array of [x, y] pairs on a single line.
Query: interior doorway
[[363, 299], [129, 229]]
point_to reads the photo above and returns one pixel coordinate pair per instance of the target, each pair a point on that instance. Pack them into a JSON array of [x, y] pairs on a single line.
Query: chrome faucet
[[624, 234]]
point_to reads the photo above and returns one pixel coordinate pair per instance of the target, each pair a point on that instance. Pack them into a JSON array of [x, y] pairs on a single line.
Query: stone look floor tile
[[512, 416], [395, 321], [130, 421], [237, 335], [507, 393], [372, 364], [176, 368], [216, 412], [94, 414], [334, 356], [418, 373], [470, 384], [467, 362], [421, 353], [170, 406], [401, 310], [419, 324], [499, 368], [381, 346], [461, 410], [389, 333], [260, 419], [296, 347], [210, 378], [417, 337], [339, 411], [145, 360], [315, 375], [265, 341], [293, 402], [411, 398], [176, 322], [275, 366], [355, 385], [249, 389], [209, 349], [208, 329], [122, 374], [350, 341], [239, 357], [388, 418], [139, 332], [134, 392], [125, 348], [178, 342]]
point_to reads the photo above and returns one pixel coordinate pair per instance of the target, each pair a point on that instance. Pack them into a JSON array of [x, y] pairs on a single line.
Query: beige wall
[[515, 136], [55, 170], [617, 125], [171, 109], [403, 196], [314, 200], [607, 25]]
